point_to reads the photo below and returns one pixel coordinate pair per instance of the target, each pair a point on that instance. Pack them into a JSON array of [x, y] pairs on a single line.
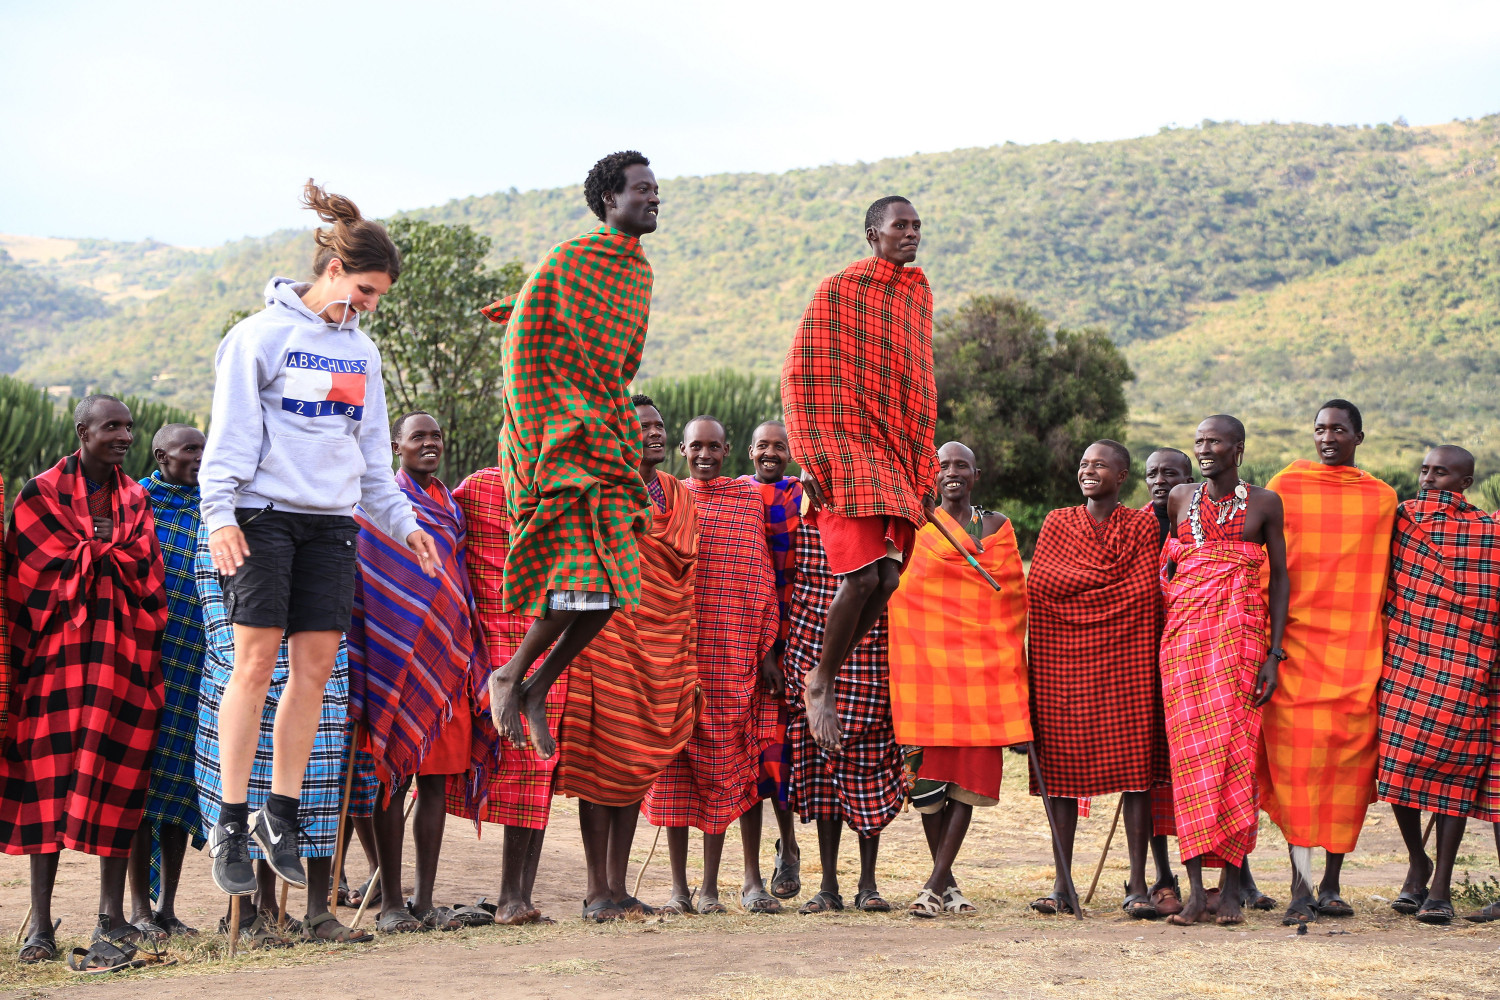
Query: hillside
[[1279, 255]]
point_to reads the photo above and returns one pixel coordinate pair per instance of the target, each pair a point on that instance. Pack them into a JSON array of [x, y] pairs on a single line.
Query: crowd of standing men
[[275, 632]]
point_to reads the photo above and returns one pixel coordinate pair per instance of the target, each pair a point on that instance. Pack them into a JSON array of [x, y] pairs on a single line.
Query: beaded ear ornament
[[1227, 507]]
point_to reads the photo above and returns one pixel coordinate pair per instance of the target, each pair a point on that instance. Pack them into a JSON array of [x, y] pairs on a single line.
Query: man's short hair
[[641, 399], [609, 175], [84, 411], [1121, 452], [1357, 421], [771, 423], [875, 214], [1173, 451], [165, 434], [1234, 424], [707, 416], [400, 423]]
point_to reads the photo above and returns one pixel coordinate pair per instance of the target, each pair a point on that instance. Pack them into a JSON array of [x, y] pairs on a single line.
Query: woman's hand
[[227, 548], [421, 543]]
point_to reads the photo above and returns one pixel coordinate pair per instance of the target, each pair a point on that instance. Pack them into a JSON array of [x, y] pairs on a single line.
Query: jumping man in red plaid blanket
[[861, 408], [86, 604]]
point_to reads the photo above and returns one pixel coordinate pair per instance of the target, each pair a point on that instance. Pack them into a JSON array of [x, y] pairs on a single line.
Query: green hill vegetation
[[1253, 268]]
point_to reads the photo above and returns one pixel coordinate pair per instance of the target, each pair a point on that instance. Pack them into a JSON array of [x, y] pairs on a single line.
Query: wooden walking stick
[[1063, 869], [281, 920], [21, 931], [647, 863], [338, 844], [359, 914], [933, 520], [1431, 822], [234, 925], [1119, 807]]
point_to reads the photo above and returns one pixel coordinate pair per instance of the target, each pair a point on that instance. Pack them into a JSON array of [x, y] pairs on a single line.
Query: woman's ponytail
[[359, 243]]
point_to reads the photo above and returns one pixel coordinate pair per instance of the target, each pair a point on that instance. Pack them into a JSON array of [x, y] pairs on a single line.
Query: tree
[[1026, 399], [438, 353], [741, 402]]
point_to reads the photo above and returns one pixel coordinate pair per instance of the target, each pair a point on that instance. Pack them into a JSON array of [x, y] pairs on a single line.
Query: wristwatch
[[1279, 653]]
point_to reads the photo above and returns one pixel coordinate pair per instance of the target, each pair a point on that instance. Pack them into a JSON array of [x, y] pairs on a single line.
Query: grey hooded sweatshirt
[[299, 420]]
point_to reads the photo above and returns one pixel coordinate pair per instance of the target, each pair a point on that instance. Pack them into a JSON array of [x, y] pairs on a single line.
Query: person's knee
[[890, 577], [863, 582]]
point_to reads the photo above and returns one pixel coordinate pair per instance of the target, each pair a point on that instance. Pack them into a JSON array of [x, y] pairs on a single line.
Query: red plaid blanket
[[86, 620], [1095, 620], [858, 391]]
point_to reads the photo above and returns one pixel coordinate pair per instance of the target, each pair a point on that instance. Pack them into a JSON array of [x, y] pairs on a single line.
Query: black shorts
[[299, 575]]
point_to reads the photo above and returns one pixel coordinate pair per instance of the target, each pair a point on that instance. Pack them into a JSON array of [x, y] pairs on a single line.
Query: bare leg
[[140, 873], [677, 847], [830, 831], [750, 831], [1419, 865], [1161, 855], [112, 888], [786, 826], [390, 831], [855, 609], [311, 656], [427, 835], [594, 822], [1065, 814], [869, 854], [713, 851], [512, 907], [512, 693], [1196, 906], [43, 878], [243, 703], [528, 873], [319, 873], [1231, 909], [944, 839], [1450, 835], [1331, 872], [622, 825], [1137, 838], [174, 844]]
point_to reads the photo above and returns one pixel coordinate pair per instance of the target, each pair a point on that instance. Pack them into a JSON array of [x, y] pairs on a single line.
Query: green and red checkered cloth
[[570, 445]]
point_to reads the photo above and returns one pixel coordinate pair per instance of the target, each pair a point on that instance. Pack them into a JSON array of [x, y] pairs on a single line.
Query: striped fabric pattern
[[633, 694], [570, 441], [866, 782], [323, 784], [783, 503], [1442, 630], [714, 780], [1318, 751], [958, 647], [414, 643], [858, 391], [520, 787]]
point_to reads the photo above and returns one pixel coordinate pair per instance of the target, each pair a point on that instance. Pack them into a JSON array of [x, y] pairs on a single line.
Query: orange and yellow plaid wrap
[[958, 647], [1318, 752]]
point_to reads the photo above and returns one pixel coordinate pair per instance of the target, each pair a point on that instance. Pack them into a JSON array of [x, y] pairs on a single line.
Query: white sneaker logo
[[275, 838]]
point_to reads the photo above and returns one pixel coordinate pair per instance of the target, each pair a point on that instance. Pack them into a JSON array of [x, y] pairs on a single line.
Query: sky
[[197, 123]]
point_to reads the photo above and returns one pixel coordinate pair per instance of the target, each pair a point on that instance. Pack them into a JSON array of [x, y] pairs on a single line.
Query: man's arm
[[1280, 591]]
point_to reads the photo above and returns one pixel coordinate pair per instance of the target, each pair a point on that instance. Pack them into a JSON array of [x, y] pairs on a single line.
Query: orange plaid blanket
[[1317, 761], [958, 647]]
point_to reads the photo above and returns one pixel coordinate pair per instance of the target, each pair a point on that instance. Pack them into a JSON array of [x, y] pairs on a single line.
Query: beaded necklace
[[1227, 507]]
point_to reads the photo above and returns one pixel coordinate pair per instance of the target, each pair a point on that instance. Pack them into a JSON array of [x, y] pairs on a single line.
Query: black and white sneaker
[[229, 846], [279, 841]]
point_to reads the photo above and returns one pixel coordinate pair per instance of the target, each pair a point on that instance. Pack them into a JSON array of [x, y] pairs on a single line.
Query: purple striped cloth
[[414, 643]]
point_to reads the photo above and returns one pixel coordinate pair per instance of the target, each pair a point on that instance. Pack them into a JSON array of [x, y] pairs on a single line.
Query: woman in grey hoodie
[[299, 436]]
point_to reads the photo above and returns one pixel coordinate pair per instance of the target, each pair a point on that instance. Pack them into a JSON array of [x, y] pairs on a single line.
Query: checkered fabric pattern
[[714, 780], [520, 785], [415, 645], [958, 646], [1318, 746], [866, 782], [1216, 636], [633, 694], [858, 391], [86, 619], [4, 646], [783, 502], [1095, 624], [570, 444], [1443, 624], [323, 783], [173, 794]]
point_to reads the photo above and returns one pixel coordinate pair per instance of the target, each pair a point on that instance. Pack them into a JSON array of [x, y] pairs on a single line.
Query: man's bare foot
[[533, 704], [822, 715], [1230, 911], [1194, 910], [515, 913], [505, 707]]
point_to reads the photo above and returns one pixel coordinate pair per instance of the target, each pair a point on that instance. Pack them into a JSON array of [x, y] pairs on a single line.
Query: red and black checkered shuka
[[1095, 622], [858, 391], [713, 781], [86, 619], [864, 784], [1442, 631]]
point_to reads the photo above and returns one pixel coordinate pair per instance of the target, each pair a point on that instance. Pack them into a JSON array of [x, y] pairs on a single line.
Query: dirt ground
[[1004, 951]]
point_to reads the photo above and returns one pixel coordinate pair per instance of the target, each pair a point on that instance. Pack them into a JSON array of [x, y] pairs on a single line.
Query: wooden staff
[[644, 864], [234, 925], [1119, 806], [338, 845], [962, 550], [1431, 822], [1063, 869], [281, 920], [21, 931]]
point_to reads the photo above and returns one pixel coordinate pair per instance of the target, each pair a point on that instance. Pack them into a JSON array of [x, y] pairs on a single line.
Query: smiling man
[[958, 670], [417, 670], [861, 409], [1220, 654], [1434, 700], [1095, 604], [1318, 747], [570, 440], [86, 603], [714, 780], [770, 451]]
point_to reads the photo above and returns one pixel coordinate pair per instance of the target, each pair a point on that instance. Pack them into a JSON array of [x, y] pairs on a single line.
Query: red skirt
[[853, 543], [974, 769]]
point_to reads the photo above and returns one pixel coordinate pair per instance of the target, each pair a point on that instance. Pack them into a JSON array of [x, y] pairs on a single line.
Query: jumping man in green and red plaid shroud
[[861, 409], [570, 443]]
